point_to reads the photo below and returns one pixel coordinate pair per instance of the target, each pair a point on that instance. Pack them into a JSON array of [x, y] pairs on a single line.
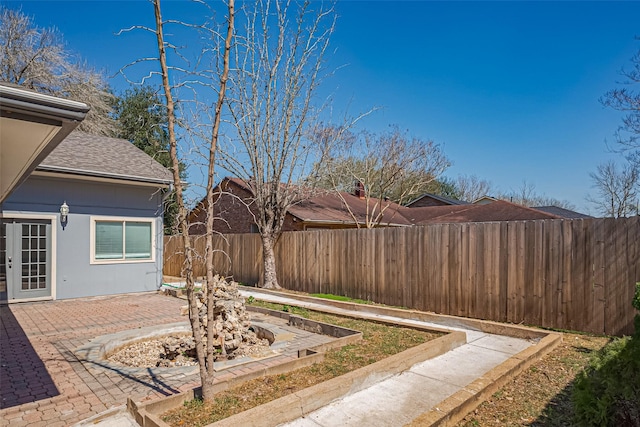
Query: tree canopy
[[141, 117], [626, 98], [37, 59], [391, 164], [617, 188]]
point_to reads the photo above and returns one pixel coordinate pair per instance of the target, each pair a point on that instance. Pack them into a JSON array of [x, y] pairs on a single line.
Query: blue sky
[[510, 89]]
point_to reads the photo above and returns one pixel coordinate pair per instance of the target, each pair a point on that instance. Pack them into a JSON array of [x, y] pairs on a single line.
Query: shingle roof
[[422, 214], [499, 210], [92, 155], [330, 208], [564, 213]]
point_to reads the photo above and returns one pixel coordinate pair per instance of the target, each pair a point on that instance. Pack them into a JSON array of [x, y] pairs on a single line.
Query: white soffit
[[21, 142], [31, 126]]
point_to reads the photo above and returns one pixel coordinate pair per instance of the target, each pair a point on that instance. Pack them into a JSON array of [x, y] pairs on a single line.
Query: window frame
[[123, 220]]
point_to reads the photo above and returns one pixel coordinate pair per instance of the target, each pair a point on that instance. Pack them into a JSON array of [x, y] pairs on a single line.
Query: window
[[126, 239]]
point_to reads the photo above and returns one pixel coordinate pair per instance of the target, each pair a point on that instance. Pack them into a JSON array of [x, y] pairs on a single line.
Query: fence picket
[[568, 274]]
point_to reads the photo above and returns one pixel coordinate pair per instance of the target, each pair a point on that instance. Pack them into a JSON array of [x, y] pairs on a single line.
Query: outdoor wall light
[[64, 211]]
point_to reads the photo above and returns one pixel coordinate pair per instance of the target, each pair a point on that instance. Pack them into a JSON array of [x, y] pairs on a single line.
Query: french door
[[25, 259]]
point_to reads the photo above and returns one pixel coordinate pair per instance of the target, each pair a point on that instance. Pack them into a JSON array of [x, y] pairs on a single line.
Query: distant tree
[[390, 166], [526, 195], [617, 189], [627, 100], [442, 186], [141, 117], [280, 61], [470, 188], [36, 58]]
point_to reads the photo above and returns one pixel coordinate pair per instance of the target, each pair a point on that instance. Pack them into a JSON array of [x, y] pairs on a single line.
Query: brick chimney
[[358, 190]]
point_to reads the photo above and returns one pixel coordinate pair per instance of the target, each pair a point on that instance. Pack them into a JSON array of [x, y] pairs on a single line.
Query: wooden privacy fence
[[567, 274]]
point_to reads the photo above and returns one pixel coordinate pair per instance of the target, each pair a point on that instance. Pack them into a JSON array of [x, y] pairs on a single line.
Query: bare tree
[[627, 100], [391, 166], [617, 189], [279, 65], [470, 187], [219, 45], [35, 58], [526, 195]]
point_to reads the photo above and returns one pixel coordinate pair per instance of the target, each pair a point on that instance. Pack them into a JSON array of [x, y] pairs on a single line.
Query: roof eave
[[339, 222], [80, 172], [22, 105]]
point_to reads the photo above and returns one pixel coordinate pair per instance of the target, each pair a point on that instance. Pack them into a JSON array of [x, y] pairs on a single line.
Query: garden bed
[[384, 350]]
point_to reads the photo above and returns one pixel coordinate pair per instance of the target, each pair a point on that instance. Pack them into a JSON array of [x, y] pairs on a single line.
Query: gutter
[[382, 224], [74, 171], [18, 103]]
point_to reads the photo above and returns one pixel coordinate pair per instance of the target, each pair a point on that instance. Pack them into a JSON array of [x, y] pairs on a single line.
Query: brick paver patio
[[42, 383]]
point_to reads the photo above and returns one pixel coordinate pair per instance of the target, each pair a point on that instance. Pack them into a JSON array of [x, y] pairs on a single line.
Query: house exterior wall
[[75, 274], [232, 215]]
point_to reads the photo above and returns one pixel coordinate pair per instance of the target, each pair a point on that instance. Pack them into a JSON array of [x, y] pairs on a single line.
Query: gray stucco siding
[[44, 194], [76, 274]]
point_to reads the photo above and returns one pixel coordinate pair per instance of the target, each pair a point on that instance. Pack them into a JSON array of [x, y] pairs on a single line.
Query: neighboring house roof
[[329, 208], [101, 156], [421, 214], [442, 199], [499, 210], [562, 212]]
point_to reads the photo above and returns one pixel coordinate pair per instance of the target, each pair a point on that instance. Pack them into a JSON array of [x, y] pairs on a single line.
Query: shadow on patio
[[23, 376]]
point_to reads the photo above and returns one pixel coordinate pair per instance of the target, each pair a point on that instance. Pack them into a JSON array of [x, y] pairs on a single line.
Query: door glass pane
[[138, 240], [34, 257], [108, 240]]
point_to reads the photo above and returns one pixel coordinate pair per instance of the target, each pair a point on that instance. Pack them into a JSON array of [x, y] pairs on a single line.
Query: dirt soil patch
[[378, 342], [541, 395]]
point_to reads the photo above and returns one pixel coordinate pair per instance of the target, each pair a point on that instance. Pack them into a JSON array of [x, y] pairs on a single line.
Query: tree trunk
[[204, 348], [269, 263]]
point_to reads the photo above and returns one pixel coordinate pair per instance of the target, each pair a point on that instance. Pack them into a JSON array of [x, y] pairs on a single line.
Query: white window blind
[[109, 240], [123, 240], [138, 240]]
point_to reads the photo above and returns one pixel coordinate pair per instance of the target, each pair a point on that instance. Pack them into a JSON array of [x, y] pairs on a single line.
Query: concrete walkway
[[402, 398]]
